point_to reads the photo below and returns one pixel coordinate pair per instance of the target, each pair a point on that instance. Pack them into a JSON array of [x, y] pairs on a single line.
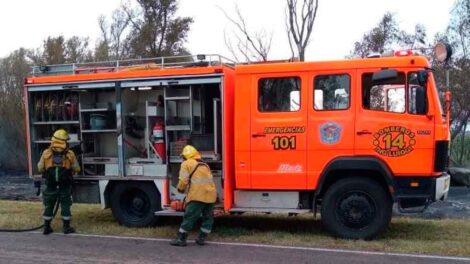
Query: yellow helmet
[[190, 152], [61, 134]]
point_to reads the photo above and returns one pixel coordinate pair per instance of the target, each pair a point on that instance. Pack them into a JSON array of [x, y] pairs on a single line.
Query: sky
[[339, 23]]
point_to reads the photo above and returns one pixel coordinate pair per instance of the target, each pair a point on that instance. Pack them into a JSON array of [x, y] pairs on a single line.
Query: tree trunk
[[462, 144], [462, 121]]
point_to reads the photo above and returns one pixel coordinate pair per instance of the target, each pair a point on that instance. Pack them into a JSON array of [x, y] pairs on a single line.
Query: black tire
[[134, 203], [356, 208]]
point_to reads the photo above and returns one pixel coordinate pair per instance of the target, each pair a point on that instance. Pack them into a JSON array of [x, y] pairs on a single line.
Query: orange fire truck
[[349, 137]]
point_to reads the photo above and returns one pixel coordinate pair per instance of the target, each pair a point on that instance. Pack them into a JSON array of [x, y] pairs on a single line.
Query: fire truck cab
[[349, 138]]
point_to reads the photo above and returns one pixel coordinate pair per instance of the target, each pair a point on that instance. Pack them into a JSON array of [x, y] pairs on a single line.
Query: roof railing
[[133, 64]]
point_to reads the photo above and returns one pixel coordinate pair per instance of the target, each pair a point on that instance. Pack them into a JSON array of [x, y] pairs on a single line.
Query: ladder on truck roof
[[132, 64]]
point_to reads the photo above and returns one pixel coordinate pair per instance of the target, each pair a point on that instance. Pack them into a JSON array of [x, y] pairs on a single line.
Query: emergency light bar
[[403, 53]]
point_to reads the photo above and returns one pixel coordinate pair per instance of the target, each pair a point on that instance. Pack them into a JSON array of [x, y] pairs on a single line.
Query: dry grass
[[442, 237]]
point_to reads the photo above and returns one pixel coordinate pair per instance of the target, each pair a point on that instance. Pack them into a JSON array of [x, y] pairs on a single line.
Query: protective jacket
[[69, 160], [201, 186]]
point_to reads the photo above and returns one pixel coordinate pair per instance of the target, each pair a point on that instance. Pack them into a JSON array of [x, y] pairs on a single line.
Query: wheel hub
[[135, 204], [138, 203], [356, 210]]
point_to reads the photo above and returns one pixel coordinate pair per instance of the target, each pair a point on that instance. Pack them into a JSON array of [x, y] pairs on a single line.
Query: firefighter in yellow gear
[[195, 179], [58, 164]]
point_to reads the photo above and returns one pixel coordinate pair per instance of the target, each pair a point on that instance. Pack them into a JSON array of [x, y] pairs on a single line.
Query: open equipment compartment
[[99, 132], [159, 120], [49, 111]]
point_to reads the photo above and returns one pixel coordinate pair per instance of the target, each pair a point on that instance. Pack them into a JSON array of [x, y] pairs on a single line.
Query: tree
[[156, 30], [458, 33], [459, 28], [300, 20], [415, 40], [13, 70], [76, 50], [102, 51], [54, 50], [384, 35], [252, 46], [58, 50], [113, 43]]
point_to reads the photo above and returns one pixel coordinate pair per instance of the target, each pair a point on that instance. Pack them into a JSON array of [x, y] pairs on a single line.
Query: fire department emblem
[[394, 141], [330, 133]]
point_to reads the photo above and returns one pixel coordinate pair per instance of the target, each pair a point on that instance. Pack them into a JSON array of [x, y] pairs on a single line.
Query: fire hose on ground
[[37, 184]]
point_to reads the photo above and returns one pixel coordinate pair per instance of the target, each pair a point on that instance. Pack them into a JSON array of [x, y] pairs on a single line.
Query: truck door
[[278, 132], [330, 120], [393, 125]]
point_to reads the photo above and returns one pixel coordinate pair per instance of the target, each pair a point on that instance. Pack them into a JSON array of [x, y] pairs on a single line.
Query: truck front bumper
[[426, 190], [442, 187]]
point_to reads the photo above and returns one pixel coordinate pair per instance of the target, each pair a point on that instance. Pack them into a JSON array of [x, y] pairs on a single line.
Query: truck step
[[169, 212], [269, 210]]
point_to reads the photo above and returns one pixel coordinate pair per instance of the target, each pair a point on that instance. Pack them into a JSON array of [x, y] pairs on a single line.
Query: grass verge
[[406, 235]]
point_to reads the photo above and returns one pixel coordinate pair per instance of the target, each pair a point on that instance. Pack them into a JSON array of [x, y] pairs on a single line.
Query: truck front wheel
[[356, 208], [134, 203]]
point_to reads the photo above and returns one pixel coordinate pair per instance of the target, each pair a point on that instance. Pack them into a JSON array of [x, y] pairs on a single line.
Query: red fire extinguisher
[[159, 140]]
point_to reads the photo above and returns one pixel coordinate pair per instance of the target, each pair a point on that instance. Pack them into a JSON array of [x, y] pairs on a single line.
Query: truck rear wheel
[[134, 203], [356, 208]]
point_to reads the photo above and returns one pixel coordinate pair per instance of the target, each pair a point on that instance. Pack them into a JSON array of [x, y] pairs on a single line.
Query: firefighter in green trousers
[[58, 164], [195, 179]]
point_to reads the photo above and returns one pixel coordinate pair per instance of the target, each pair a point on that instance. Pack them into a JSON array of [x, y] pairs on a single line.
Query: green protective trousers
[[56, 190], [193, 211]]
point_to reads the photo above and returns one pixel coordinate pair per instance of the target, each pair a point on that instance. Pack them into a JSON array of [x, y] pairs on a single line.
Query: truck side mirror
[[421, 102], [384, 75], [422, 77]]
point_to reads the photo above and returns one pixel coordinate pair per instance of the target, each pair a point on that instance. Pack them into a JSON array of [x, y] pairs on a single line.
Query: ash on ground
[[17, 186]]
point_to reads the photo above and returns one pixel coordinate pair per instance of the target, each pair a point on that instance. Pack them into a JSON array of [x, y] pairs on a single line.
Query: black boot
[[180, 241], [67, 228], [201, 239], [47, 227]]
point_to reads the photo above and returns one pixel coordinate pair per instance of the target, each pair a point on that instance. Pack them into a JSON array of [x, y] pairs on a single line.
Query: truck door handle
[[258, 135], [363, 132]]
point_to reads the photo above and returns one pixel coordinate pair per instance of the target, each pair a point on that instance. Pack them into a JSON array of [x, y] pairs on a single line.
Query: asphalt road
[[57, 248]]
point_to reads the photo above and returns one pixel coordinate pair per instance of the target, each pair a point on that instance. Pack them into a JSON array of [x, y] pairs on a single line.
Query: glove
[[37, 184], [178, 205]]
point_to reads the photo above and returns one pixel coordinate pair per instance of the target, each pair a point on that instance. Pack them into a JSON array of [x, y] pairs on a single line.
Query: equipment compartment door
[[278, 132]]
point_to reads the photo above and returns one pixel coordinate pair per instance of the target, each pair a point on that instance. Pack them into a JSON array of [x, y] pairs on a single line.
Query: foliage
[[13, 70], [460, 152], [58, 50], [151, 29], [386, 35], [458, 33]]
